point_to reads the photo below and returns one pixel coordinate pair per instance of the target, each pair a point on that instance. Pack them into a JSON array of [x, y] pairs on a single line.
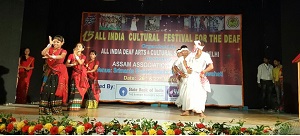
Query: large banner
[[136, 53]]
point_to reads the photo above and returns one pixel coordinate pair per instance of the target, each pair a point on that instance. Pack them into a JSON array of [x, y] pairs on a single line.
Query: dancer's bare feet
[[202, 115], [185, 113]]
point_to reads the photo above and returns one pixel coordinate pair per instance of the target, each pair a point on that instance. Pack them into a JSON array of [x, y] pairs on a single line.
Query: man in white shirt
[[265, 82], [182, 75], [175, 69]]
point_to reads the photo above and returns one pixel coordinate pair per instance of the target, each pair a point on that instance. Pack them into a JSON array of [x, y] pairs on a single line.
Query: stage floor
[[107, 112]]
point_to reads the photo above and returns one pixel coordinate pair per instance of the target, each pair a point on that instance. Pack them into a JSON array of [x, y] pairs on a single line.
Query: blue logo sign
[[123, 91]]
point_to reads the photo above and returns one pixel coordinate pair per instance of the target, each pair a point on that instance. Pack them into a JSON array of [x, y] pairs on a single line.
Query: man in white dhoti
[[175, 69], [178, 52], [182, 76], [197, 85]]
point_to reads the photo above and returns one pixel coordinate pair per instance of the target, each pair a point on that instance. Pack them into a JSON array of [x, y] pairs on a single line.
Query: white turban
[[198, 45], [182, 49]]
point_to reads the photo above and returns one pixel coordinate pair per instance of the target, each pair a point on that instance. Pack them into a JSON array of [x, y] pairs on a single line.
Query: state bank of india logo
[[233, 22], [123, 91]]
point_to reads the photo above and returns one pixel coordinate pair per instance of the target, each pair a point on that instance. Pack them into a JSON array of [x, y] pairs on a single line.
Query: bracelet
[[53, 56], [49, 45], [77, 57], [180, 73]]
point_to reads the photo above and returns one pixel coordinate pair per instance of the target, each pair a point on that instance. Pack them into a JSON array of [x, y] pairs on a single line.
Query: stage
[[107, 112]]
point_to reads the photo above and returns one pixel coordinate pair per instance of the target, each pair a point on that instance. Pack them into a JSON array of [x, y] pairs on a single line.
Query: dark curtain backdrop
[[11, 19], [261, 30], [290, 49], [34, 37]]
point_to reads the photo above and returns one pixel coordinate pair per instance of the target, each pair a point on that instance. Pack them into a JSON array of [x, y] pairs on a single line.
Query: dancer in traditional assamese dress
[[79, 82], [197, 85], [54, 92], [92, 95]]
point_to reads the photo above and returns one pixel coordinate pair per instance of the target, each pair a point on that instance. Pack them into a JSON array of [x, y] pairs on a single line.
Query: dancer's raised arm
[[46, 50]]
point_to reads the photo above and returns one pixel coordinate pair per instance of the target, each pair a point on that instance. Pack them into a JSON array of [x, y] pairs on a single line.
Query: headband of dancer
[[184, 48]]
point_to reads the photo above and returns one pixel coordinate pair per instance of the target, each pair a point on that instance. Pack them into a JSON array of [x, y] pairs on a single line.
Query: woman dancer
[[79, 83], [92, 96], [55, 91], [26, 65]]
